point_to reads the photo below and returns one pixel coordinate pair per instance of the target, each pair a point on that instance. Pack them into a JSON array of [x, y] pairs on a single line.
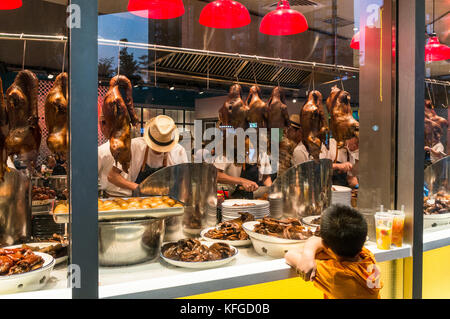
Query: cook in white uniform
[[157, 149], [244, 178]]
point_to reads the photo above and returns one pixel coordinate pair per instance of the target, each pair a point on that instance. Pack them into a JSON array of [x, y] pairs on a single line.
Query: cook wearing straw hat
[[158, 148]]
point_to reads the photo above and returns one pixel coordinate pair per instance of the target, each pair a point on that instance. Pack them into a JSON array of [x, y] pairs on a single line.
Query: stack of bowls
[[232, 207], [341, 195]]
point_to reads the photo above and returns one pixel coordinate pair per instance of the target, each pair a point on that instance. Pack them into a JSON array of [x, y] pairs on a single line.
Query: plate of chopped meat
[[24, 270], [229, 232], [273, 237], [192, 253]]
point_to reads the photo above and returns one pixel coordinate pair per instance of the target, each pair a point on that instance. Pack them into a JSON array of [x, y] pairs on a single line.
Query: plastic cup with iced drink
[[383, 224], [398, 225]]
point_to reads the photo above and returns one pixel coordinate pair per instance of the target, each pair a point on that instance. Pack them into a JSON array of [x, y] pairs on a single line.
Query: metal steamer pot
[[129, 242]]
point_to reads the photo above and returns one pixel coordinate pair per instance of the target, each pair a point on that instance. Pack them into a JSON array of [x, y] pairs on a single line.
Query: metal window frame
[[83, 136], [83, 124]]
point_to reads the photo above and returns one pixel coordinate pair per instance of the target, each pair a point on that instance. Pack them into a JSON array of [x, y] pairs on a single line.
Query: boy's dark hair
[[344, 230]]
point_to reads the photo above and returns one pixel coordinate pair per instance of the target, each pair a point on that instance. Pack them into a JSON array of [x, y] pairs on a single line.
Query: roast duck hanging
[[3, 133], [56, 116], [435, 125], [24, 135], [343, 125], [234, 111], [278, 112], [258, 112], [314, 124], [118, 115]]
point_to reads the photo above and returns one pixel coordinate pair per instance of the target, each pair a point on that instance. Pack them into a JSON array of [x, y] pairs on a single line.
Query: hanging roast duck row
[[19, 121], [274, 114]]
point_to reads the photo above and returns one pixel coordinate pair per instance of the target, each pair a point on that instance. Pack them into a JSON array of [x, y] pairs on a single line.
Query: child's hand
[[304, 265]]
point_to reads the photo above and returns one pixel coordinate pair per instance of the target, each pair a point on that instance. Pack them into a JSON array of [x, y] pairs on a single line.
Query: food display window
[[320, 102]]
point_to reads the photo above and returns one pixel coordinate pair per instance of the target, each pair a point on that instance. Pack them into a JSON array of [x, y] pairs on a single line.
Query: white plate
[[32, 280], [271, 246], [201, 264], [308, 220], [236, 243], [229, 203], [42, 245]]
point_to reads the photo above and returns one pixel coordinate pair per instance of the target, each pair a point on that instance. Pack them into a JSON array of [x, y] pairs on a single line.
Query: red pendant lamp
[[224, 14], [156, 9], [355, 41], [10, 4], [436, 51], [283, 21]]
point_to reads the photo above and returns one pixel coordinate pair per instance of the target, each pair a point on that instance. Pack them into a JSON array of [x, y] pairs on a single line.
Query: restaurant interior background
[[182, 69]]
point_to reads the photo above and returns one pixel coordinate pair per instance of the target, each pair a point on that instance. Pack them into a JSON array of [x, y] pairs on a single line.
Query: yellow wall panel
[[436, 274]]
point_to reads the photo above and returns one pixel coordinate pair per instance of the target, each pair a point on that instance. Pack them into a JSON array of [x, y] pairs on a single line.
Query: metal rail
[[161, 48]]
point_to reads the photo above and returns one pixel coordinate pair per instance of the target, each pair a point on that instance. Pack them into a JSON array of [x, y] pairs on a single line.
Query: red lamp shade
[[10, 4], [436, 51], [224, 14], [283, 21], [156, 9], [355, 41]]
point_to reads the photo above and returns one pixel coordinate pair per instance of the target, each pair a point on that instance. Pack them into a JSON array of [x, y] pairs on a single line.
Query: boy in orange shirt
[[337, 262]]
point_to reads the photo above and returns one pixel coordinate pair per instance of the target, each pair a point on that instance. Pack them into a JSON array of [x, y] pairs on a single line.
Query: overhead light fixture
[[201, 92], [355, 41], [436, 51], [224, 14], [283, 21], [50, 76], [172, 88], [294, 101], [156, 9], [10, 4]]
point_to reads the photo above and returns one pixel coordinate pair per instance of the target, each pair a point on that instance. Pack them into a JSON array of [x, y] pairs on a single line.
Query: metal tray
[[126, 214]]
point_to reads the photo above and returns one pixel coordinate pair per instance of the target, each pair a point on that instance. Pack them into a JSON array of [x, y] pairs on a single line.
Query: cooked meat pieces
[[258, 111], [288, 228], [231, 230], [18, 261], [234, 110], [192, 250], [437, 205]]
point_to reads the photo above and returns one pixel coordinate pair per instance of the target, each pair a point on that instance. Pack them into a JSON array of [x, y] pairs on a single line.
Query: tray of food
[[23, 270], [125, 208], [436, 210], [59, 251], [272, 237], [313, 221], [192, 253], [229, 232], [42, 195]]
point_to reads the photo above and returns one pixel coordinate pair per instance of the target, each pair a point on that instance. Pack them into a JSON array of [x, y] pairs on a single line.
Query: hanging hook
[[207, 70], [64, 57], [429, 94], [253, 70], [432, 91], [340, 78], [154, 49], [24, 51], [313, 76], [236, 67], [446, 95], [118, 59]]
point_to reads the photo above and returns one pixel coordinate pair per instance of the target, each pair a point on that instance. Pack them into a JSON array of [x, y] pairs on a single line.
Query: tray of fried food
[[139, 207], [229, 232]]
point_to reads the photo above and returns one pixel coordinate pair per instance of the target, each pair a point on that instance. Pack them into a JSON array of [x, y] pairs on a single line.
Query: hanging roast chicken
[[435, 125], [278, 112], [314, 124], [118, 115], [24, 134], [430, 114], [56, 117], [234, 111], [258, 112], [343, 125], [3, 133]]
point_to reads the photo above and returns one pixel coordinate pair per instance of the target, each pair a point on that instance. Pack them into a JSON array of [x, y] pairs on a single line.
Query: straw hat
[[295, 121], [161, 134]]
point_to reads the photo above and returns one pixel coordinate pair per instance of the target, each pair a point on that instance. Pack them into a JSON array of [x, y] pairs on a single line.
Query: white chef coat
[[301, 154], [105, 164], [438, 147], [342, 155], [226, 165]]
